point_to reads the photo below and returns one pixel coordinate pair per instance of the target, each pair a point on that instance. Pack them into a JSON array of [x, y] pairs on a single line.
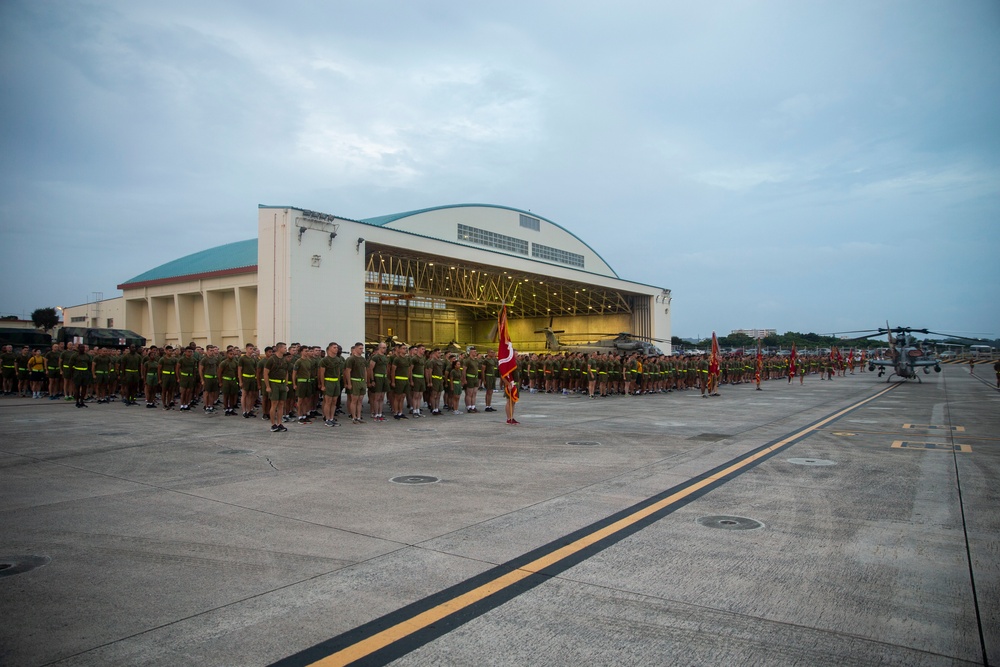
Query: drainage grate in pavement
[[812, 462], [414, 479], [11, 565], [725, 522]]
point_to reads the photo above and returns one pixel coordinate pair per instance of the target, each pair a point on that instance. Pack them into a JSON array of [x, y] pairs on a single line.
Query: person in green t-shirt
[[489, 378], [249, 380], [355, 380], [328, 380], [378, 381], [471, 378], [82, 374], [275, 378], [187, 377], [8, 360], [229, 374], [131, 365], [208, 371], [418, 379], [436, 366], [53, 371], [303, 381], [400, 374]]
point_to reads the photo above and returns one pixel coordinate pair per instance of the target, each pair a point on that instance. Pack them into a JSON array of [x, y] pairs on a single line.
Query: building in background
[[433, 276]]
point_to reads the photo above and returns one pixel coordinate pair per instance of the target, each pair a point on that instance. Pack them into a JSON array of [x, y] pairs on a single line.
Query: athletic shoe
[[402, 416], [281, 427], [456, 412], [513, 421], [274, 428], [489, 409]]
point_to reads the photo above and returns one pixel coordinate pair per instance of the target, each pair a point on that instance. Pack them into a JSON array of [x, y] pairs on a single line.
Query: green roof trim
[[237, 255]]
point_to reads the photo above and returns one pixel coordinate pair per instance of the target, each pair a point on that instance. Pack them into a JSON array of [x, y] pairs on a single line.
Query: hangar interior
[[437, 300]]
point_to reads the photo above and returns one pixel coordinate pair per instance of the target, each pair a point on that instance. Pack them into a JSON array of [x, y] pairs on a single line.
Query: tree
[[45, 318]]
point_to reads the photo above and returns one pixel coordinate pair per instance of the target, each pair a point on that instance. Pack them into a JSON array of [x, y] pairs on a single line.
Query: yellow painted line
[[405, 628], [965, 436], [936, 427], [939, 446]]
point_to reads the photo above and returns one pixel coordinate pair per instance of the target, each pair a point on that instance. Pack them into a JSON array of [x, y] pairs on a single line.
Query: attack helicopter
[[905, 355], [617, 343]]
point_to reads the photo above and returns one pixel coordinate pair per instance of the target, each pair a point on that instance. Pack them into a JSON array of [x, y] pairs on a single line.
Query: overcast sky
[[801, 165]]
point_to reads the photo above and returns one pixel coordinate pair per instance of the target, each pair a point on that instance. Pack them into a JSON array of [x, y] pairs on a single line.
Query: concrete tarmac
[[797, 525]]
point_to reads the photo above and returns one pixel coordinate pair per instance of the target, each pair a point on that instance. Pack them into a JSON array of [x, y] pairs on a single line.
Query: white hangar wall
[[311, 266]]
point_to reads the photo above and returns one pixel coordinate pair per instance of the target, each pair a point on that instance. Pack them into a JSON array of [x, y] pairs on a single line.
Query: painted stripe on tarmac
[[392, 636]]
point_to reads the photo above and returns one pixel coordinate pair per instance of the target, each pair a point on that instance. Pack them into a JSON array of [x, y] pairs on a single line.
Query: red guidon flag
[[793, 363], [506, 357], [714, 360]]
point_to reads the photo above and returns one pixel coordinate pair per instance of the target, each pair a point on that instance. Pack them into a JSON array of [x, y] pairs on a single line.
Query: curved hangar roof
[[228, 259], [500, 228]]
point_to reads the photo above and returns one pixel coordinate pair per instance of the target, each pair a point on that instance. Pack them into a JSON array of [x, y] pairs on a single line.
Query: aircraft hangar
[[433, 276]]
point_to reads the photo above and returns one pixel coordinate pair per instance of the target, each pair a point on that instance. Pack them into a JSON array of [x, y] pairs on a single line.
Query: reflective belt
[[209, 377], [380, 375], [226, 377], [101, 372], [185, 374], [436, 377], [358, 379], [249, 376], [282, 380], [330, 379], [77, 368], [168, 372], [9, 367], [304, 379], [129, 370], [402, 377]]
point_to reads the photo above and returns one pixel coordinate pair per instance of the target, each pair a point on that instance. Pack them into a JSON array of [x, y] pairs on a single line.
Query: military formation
[[301, 383]]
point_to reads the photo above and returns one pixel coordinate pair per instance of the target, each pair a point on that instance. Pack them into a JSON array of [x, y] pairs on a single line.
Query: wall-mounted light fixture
[[357, 248], [333, 235], [302, 230]]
